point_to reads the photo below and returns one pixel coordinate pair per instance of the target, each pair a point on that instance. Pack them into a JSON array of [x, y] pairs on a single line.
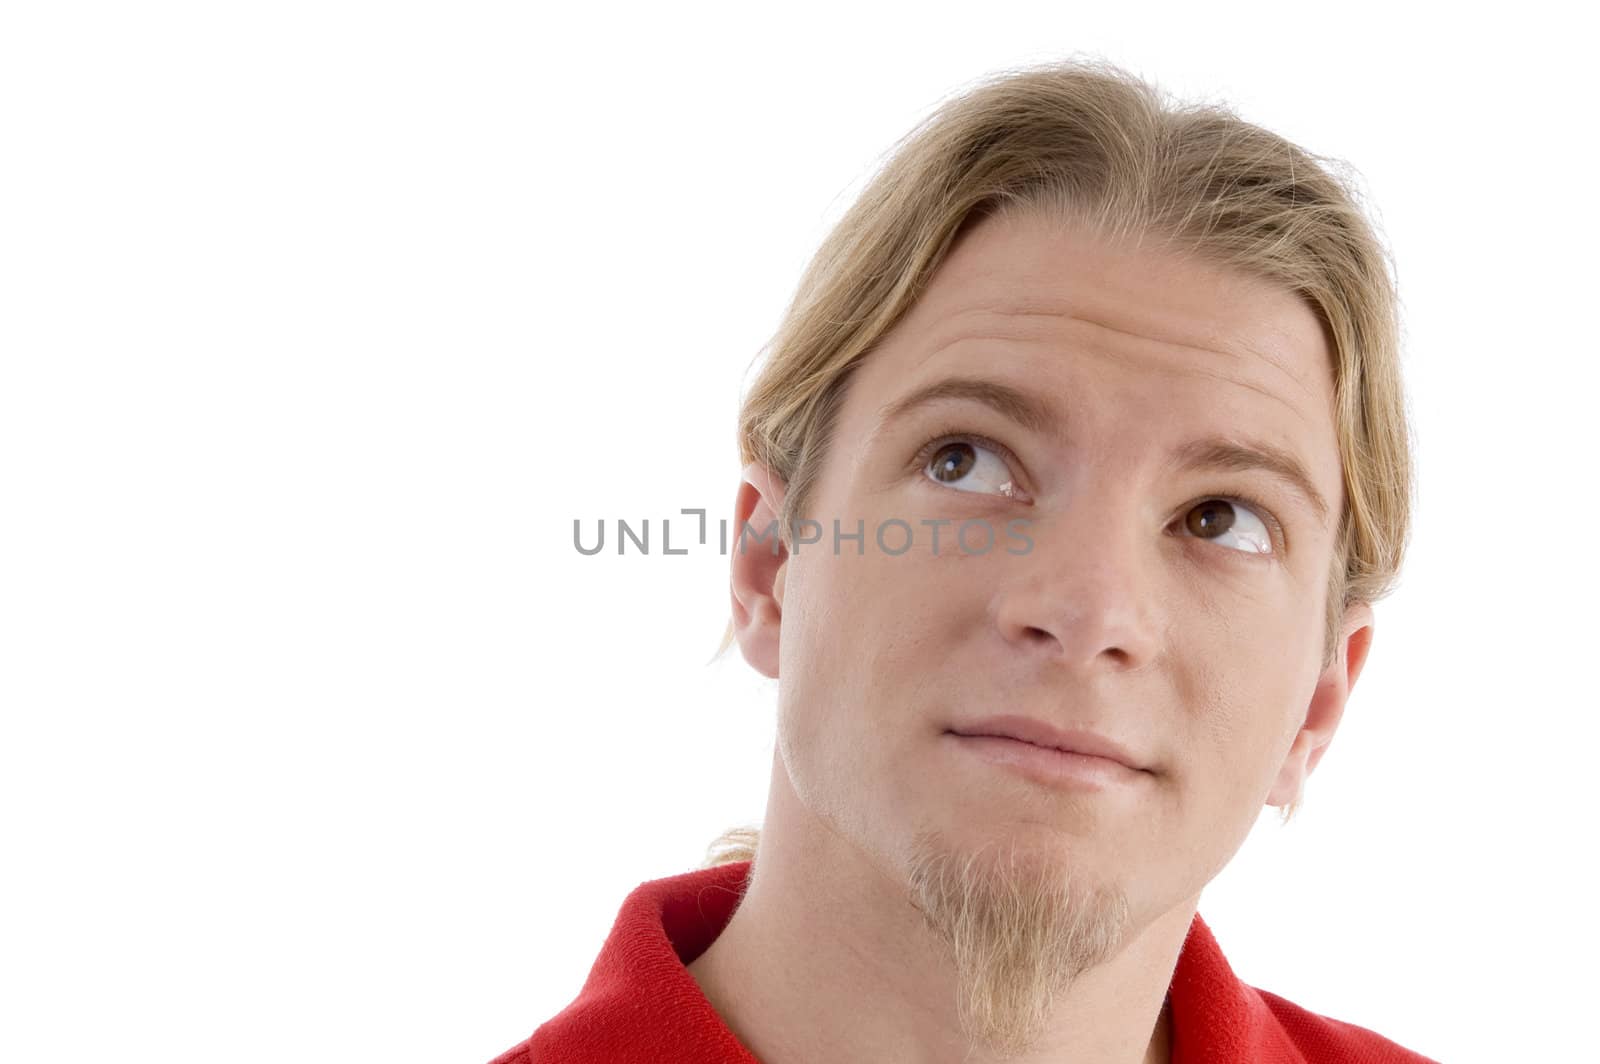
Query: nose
[[1085, 595]]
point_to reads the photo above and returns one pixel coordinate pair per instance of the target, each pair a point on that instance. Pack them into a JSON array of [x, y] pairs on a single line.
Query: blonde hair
[[1092, 143]]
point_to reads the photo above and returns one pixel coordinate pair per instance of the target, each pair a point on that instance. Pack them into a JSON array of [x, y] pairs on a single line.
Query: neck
[[826, 958]]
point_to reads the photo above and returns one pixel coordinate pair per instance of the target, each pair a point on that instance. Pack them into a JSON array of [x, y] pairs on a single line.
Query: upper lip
[[1037, 732]]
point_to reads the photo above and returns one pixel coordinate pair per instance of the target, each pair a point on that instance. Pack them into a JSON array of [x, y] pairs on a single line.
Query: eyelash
[[925, 453]]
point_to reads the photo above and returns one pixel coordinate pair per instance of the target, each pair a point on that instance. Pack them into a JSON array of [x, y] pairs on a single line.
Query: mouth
[[1047, 765], [1046, 736], [1047, 755]]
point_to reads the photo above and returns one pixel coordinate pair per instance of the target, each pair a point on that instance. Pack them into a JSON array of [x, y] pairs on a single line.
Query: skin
[[1201, 656]]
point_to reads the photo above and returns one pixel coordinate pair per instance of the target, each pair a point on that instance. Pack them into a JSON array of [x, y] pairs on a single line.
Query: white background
[[320, 324]]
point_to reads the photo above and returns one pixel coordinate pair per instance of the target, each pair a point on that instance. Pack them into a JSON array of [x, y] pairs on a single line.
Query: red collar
[[640, 1005]]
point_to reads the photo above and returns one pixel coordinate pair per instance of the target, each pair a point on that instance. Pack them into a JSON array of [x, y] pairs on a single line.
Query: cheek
[[866, 643], [835, 615], [855, 628], [1246, 686]]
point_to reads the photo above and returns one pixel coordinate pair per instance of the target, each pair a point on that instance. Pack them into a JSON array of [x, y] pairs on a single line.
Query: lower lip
[[1053, 768]]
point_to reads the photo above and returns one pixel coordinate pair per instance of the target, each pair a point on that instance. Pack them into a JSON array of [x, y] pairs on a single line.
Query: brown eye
[[970, 466], [1211, 518], [952, 462], [1218, 518]]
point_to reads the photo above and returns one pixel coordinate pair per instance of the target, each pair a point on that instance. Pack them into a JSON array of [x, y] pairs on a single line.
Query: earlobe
[[760, 565], [1327, 705]]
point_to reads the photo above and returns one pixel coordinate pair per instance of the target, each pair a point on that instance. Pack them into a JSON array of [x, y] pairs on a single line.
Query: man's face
[[1145, 609]]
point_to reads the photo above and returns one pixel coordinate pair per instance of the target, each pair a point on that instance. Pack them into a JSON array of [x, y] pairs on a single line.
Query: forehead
[[1025, 265], [1153, 334]]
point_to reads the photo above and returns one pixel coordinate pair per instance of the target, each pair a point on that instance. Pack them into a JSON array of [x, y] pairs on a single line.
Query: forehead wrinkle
[[1038, 309], [1259, 389], [1026, 310]]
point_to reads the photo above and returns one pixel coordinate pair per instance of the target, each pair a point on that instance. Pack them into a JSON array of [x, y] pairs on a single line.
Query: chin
[[1022, 846]]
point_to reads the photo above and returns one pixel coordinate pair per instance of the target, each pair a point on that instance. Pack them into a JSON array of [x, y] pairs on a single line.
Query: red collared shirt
[[640, 1005]]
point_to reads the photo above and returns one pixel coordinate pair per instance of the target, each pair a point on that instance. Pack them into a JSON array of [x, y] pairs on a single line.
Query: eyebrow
[[1216, 452], [1029, 411], [1041, 417]]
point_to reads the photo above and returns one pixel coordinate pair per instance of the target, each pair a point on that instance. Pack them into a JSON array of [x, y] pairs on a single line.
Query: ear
[[1327, 705], [760, 563]]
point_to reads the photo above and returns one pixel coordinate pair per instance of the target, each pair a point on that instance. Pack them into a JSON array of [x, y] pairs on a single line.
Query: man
[[1085, 439]]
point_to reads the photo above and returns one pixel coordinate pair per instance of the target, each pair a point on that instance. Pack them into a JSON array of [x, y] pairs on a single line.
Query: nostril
[[1039, 635]]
